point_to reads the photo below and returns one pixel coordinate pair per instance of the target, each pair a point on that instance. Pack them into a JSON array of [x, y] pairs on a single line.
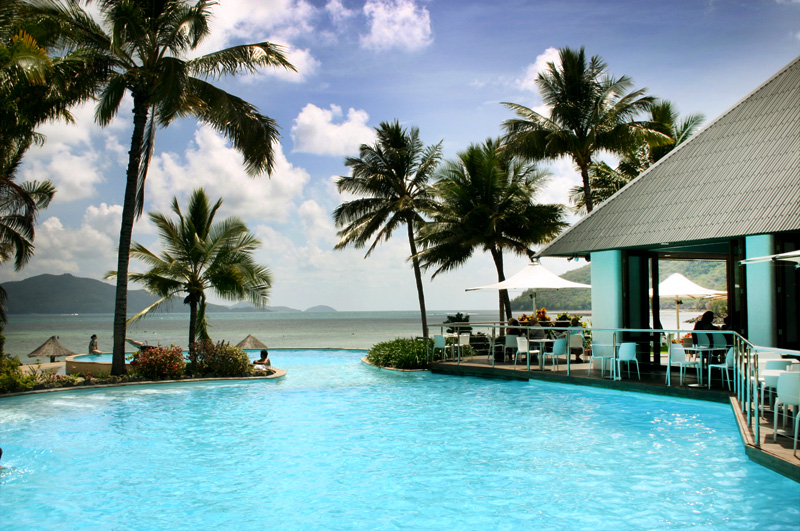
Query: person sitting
[[93, 345], [264, 359], [706, 322], [537, 332], [513, 328]]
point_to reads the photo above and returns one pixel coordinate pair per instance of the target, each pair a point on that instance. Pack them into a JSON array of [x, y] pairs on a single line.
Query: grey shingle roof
[[738, 176]]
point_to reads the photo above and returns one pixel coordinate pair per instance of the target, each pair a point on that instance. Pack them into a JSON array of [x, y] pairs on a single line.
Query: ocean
[[25, 333]]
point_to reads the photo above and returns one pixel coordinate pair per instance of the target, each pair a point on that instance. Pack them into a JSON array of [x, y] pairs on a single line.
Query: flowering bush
[[220, 359], [159, 363]]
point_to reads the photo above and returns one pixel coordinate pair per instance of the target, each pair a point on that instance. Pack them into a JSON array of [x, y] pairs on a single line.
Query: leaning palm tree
[[146, 43], [486, 202], [200, 255], [391, 179], [589, 112], [606, 181]]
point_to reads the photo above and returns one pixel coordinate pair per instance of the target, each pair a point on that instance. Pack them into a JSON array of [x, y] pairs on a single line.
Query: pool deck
[[777, 456]]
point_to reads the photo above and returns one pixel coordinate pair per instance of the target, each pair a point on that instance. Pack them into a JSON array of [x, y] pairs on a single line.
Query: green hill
[[708, 274], [67, 294]]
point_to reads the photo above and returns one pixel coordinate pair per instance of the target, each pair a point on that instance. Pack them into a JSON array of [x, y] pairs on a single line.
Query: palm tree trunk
[[192, 321], [502, 296], [587, 188], [418, 277], [125, 234]]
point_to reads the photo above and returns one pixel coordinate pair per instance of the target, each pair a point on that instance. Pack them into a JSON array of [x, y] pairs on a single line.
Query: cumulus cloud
[[338, 13], [396, 24], [316, 222], [528, 79], [88, 251], [210, 162], [315, 131]]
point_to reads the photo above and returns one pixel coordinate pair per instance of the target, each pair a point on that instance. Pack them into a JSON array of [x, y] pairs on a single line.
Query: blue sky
[[443, 66]]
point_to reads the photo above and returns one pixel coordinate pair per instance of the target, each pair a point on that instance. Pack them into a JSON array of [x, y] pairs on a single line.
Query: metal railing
[[746, 379]]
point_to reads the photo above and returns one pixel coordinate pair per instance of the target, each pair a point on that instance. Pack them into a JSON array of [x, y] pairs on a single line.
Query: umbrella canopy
[[534, 276], [250, 343], [791, 256], [679, 286], [51, 349]]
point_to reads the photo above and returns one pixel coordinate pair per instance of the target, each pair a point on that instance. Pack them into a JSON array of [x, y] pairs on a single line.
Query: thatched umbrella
[[250, 343], [52, 349]]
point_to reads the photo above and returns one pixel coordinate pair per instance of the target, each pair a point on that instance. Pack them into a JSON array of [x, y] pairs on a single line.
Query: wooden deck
[[777, 456]]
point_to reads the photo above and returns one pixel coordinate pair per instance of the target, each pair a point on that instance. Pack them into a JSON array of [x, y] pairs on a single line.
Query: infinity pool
[[337, 444]]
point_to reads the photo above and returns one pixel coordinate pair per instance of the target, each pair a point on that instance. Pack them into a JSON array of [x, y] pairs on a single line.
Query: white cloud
[[210, 162], [528, 79], [317, 223], [396, 24], [314, 131], [88, 251], [339, 14]]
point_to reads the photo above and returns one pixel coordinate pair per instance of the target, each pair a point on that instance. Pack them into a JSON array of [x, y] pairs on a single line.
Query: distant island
[[68, 294]]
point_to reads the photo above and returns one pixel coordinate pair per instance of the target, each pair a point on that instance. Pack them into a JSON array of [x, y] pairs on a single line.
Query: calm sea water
[[336, 444], [24, 333]]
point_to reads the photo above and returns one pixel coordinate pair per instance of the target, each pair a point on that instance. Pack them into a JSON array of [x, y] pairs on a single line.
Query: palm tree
[[606, 181], [199, 255], [146, 48], [590, 112], [391, 179], [485, 202]]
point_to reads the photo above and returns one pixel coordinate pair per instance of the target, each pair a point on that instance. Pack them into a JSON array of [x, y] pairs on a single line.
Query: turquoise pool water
[[337, 444]]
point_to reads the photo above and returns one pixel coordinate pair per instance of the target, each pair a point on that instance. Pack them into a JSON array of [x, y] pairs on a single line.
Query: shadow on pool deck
[[777, 456]]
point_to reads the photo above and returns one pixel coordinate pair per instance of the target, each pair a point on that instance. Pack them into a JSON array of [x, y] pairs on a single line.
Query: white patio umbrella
[[680, 287], [533, 276], [791, 256]]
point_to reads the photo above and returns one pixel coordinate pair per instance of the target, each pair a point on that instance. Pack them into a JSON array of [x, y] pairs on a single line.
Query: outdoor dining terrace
[[719, 366]]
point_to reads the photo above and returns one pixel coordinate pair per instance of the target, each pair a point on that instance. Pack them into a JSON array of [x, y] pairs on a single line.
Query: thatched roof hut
[[52, 349], [251, 343]]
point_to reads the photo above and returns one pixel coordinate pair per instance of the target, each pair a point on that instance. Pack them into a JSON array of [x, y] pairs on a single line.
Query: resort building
[[729, 193]]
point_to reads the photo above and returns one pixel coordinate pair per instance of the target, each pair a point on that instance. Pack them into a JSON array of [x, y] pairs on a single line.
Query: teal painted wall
[[606, 293], [761, 304]]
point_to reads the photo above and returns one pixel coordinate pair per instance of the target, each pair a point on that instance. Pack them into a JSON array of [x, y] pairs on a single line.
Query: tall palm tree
[[146, 45], [199, 255], [590, 112], [606, 181], [485, 202], [391, 179]]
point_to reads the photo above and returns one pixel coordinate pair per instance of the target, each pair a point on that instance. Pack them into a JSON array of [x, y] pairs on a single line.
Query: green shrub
[[401, 353], [220, 360], [12, 379], [160, 363]]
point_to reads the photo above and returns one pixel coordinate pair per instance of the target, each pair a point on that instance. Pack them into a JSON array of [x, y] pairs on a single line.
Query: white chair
[[724, 367], [559, 349], [769, 380], [627, 354], [576, 343], [523, 347], [788, 395], [677, 358], [512, 342], [602, 353], [463, 341], [439, 343]]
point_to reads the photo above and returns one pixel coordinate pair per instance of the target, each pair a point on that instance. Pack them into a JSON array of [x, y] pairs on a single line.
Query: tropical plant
[[390, 179], [33, 89], [589, 112], [606, 181], [199, 255], [401, 353], [146, 44], [485, 202], [220, 360]]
